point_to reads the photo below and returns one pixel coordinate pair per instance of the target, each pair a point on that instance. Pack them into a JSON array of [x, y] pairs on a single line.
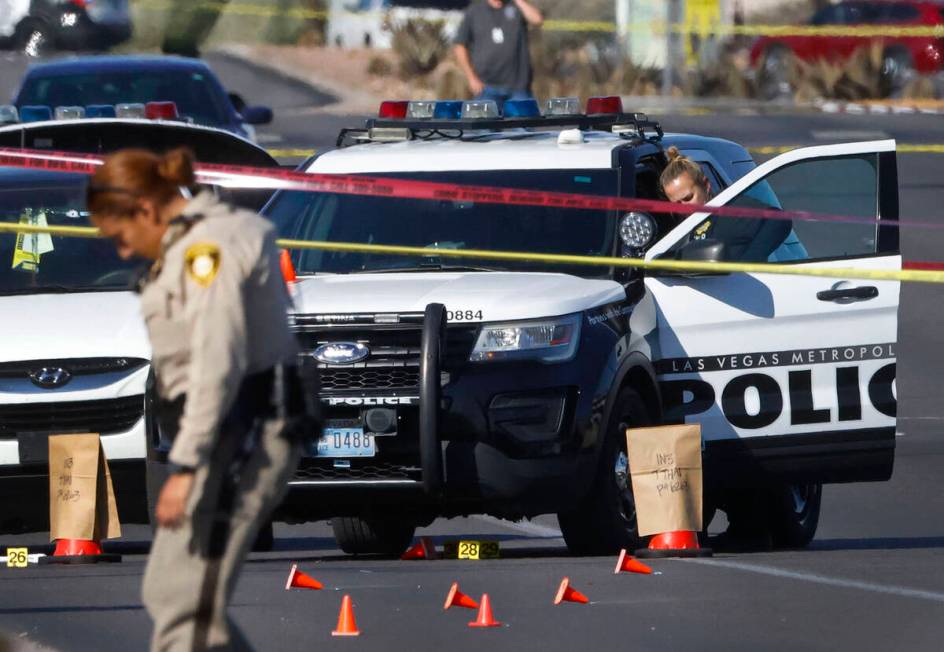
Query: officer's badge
[[203, 262], [702, 230]]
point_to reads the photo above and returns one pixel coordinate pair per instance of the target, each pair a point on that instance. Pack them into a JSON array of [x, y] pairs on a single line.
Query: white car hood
[[481, 296], [77, 325]]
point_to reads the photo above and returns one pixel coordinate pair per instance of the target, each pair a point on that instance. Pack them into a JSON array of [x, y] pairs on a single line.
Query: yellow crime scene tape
[[681, 266], [649, 27]]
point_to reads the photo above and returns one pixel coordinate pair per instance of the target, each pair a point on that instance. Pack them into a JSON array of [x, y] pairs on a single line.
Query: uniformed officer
[[746, 239], [215, 306]]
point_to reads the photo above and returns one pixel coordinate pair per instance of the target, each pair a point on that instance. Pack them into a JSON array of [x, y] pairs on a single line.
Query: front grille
[[335, 378], [394, 360], [75, 366], [103, 416], [317, 471]]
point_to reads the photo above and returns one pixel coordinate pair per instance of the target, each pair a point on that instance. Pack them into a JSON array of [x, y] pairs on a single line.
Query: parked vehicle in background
[[367, 23], [902, 56], [37, 27], [112, 80]]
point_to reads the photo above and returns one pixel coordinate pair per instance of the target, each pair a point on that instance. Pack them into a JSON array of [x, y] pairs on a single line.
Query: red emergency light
[[160, 111], [393, 110], [604, 105]]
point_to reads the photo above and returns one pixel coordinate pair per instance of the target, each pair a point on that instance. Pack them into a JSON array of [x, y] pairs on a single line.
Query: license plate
[[345, 442]]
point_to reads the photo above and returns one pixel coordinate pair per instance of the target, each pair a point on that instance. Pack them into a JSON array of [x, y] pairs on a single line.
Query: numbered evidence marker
[[463, 549], [17, 557]]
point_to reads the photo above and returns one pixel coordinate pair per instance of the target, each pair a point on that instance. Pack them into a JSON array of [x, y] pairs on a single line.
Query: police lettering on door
[[804, 390]]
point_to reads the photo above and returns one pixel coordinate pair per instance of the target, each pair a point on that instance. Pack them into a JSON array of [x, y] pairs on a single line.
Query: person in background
[[745, 239], [228, 392], [491, 46]]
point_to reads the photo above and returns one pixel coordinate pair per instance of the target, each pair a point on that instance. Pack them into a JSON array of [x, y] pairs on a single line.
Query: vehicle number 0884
[[463, 315]]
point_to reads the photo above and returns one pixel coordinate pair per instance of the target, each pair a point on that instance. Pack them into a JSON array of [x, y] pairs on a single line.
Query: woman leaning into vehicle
[[215, 307]]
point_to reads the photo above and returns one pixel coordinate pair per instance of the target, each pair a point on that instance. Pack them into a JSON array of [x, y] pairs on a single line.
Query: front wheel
[[373, 535], [605, 521], [794, 514]]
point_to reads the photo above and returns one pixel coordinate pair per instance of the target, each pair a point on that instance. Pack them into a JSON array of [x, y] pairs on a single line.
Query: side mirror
[[237, 101], [706, 251], [703, 251], [257, 115]]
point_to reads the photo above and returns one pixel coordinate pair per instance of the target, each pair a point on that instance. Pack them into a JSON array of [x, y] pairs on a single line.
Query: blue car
[[113, 80]]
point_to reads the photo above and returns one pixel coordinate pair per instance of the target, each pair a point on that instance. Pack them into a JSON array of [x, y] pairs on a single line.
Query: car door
[[753, 356]]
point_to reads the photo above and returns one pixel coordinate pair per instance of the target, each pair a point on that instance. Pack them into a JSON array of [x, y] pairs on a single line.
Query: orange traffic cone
[[674, 544], [485, 618], [457, 598], [346, 623], [567, 593], [288, 269], [424, 549], [299, 580], [78, 551], [626, 564]]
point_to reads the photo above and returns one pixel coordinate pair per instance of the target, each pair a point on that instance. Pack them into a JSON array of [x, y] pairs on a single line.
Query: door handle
[[848, 295]]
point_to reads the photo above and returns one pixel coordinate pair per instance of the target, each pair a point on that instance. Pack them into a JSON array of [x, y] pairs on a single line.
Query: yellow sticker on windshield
[[31, 246], [203, 262]]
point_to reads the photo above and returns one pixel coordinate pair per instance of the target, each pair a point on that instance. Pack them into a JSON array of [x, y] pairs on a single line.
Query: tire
[[372, 535], [774, 74], [605, 521], [265, 539], [897, 71], [794, 515], [33, 38]]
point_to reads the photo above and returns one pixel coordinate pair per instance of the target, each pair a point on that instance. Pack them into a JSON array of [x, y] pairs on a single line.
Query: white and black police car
[[74, 354], [456, 387]]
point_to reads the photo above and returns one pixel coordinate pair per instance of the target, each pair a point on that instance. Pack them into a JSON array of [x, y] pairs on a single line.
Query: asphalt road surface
[[873, 578]]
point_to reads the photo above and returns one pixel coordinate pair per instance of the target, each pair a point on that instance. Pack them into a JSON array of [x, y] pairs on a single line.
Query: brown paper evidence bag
[[665, 466], [81, 496]]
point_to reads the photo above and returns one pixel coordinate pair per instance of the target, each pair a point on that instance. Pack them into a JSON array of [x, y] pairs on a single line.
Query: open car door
[[791, 377]]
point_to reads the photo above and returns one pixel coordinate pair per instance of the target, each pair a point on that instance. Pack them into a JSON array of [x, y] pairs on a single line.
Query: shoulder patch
[[702, 229], [203, 262]]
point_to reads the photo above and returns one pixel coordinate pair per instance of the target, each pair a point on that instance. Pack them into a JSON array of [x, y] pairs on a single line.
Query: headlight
[[637, 229], [546, 340]]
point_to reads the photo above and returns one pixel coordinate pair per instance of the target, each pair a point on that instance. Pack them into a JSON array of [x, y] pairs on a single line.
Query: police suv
[[476, 386]]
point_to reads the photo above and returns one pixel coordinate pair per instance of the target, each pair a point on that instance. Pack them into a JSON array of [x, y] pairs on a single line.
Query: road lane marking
[[527, 527], [838, 582]]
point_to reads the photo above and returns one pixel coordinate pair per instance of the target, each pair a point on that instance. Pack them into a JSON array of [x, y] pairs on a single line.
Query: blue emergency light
[[35, 113], [522, 109]]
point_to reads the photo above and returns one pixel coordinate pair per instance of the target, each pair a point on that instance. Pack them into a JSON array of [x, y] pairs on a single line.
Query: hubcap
[[801, 497], [627, 505]]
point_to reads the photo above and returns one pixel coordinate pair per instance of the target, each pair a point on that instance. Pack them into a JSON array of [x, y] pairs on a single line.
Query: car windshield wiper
[[431, 267]]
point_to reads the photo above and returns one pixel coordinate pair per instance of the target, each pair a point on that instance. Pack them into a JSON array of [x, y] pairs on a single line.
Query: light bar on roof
[[522, 109], [393, 109], [160, 111], [562, 106], [8, 114], [479, 109], [611, 105], [100, 111], [129, 110], [69, 112], [421, 110], [35, 113]]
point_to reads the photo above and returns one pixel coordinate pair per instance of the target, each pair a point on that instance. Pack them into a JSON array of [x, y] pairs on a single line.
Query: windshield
[[451, 224], [43, 263], [192, 92]]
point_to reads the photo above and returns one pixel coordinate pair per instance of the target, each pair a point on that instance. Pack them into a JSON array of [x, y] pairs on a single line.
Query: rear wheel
[[605, 521], [373, 535]]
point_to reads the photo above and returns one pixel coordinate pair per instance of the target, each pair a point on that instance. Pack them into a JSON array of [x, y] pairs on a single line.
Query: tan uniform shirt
[[215, 306]]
